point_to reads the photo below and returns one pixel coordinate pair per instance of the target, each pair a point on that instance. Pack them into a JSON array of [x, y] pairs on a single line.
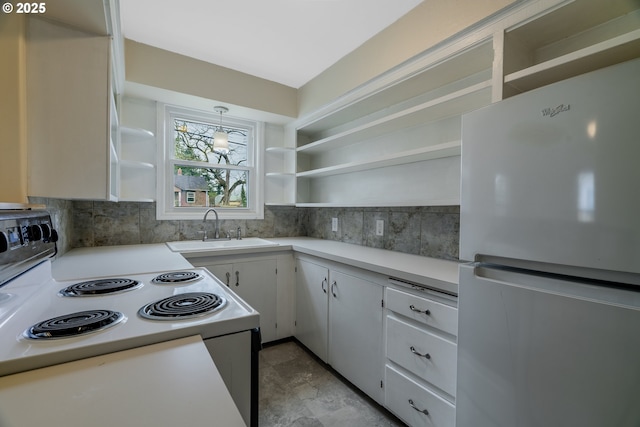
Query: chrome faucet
[[216, 233]]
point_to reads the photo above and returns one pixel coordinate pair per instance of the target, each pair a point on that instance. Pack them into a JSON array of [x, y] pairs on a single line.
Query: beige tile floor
[[298, 390]]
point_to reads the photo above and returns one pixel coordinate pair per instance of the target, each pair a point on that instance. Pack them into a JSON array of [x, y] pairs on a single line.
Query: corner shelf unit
[[280, 178], [137, 165]]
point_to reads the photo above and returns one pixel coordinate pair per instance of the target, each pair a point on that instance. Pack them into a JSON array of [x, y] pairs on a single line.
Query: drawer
[[438, 315], [438, 368], [400, 389]]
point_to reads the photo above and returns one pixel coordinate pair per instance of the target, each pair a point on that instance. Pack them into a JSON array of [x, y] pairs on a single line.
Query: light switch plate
[[334, 224], [379, 227]]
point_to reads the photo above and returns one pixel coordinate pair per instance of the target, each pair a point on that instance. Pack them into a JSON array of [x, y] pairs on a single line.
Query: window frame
[[165, 208]]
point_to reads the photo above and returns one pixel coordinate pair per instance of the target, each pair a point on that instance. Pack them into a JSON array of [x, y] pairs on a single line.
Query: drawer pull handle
[[417, 310], [424, 411], [413, 350]]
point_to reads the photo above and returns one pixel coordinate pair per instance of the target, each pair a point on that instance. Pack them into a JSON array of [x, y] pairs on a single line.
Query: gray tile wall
[[426, 231]]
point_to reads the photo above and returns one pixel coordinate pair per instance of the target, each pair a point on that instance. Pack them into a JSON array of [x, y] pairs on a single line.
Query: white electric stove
[[45, 322]]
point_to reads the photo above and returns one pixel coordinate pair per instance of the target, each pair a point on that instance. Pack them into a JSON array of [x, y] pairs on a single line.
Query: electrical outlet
[[379, 227], [334, 224]]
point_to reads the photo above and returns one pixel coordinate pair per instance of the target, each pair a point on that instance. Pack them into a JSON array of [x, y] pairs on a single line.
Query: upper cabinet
[[395, 141], [72, 114]]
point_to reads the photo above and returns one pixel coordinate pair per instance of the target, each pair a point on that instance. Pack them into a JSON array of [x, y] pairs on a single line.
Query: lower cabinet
[[312, 307], [394, 341], [339, 318], [421, 351], [415, 404], [255, 281]]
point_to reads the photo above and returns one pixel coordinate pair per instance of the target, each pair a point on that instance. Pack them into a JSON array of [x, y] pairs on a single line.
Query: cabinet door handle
[[237, 278], [425, 355], [324, 281], [332, 285], [424, 411], [228, 278], [417, 310]]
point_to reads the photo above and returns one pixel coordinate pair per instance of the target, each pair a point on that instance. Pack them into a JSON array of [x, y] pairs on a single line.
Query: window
[[195, 177]]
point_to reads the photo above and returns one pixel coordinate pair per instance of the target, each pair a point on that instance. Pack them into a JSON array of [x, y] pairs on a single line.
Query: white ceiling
[[286, 41]]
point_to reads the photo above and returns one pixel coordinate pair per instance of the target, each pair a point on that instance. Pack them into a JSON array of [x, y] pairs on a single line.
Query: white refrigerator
[[549, 303]]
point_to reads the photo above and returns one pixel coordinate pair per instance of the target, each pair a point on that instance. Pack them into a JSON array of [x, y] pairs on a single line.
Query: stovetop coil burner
[[74, 324], [100, 287], [177, 277], [183, 306]]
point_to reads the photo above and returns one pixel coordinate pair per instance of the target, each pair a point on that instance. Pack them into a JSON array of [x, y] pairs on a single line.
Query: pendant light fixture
[[220, 137]]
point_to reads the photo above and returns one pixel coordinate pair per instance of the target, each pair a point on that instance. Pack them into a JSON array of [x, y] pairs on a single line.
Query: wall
[[206, 80], [61, 212], [426, 231]]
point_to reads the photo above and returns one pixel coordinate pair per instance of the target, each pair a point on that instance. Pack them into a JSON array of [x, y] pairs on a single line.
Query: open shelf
[[400, 144], [134, 164], [473, 59], [577, 38], [438, 151], [130, 134], [455, 103], [600, 55]]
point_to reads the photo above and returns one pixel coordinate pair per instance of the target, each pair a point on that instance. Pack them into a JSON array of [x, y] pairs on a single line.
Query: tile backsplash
[[426, 231]]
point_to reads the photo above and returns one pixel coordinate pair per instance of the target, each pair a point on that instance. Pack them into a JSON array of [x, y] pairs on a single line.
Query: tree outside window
[[225, 184]]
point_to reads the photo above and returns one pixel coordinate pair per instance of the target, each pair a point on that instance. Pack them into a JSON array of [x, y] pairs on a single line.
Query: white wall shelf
[[438, 151], [466, 99], [138, 150], [135, 164], [130, 134], [280, 160], [579, 37], [400, 154]]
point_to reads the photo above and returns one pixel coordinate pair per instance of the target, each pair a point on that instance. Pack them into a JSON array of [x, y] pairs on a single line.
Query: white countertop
[[103, 261], [432, 272], [115, 389], [135, 259]]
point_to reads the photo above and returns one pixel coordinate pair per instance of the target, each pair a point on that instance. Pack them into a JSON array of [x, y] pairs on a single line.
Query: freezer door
[[552, 175], [535, 351]]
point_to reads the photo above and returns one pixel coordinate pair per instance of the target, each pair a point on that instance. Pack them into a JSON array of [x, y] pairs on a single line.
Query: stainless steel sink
[[218, 245]]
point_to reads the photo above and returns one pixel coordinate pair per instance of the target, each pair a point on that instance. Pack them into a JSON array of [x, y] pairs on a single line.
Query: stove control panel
[[26, 237]]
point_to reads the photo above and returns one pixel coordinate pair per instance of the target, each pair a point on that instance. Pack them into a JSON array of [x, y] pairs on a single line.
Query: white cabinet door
[[222, 272], [69, 114], [312, 284], [256, 283], [355, 331]]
